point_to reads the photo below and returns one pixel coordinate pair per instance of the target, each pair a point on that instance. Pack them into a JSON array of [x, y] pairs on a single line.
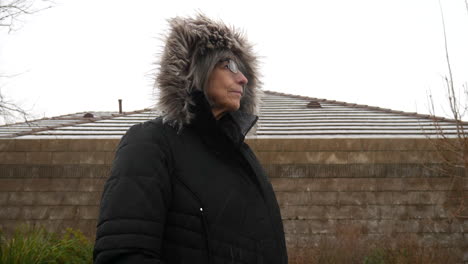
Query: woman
[[185, 188]]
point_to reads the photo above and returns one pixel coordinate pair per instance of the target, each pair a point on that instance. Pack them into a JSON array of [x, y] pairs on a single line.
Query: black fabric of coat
[[198, 195]]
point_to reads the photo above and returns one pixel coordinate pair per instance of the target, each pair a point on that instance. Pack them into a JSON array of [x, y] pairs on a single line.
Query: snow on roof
[[281, 116]]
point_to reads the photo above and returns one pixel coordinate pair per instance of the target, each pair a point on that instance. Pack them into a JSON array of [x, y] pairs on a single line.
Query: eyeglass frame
[[231, 65]]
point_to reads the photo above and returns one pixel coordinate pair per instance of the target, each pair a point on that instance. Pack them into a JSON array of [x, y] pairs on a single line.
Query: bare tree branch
[[11, 111], [453, 151], [11, 11]]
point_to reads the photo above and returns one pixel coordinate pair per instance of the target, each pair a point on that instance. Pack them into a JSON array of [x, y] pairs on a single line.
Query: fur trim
[[187, 41]]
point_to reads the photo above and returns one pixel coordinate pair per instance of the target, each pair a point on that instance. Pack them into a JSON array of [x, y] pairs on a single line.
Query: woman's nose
[[241, 79]]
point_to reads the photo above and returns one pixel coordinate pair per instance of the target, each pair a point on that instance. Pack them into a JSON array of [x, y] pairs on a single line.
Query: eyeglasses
[[231, 65]]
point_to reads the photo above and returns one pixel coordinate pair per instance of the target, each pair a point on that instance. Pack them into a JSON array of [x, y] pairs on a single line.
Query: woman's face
[[225, 87]]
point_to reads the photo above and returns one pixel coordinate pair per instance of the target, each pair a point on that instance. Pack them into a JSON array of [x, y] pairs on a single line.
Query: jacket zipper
[[203, 218], [244, 153]]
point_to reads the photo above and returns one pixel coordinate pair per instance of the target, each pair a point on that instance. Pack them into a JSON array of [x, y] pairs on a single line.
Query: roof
[[281, 116]]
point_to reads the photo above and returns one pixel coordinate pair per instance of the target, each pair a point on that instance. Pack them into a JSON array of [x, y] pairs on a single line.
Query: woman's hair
[[202, 69]]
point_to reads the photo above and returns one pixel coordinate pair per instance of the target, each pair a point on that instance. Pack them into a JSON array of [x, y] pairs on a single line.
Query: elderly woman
[[185, 188]]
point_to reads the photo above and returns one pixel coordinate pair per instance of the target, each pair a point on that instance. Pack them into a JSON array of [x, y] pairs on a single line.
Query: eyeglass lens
[[232, 65]]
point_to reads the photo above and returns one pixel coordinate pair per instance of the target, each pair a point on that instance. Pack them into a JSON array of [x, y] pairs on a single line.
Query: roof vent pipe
[[120, 106]]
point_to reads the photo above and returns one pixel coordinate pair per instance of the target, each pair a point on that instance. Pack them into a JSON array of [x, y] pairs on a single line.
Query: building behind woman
[[185, 188]]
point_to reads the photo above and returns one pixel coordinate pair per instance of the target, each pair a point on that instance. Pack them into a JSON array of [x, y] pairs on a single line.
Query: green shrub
[[38, 246]]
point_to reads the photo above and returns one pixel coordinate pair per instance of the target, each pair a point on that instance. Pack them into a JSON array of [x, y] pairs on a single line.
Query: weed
[[352, 245], [35, 245]]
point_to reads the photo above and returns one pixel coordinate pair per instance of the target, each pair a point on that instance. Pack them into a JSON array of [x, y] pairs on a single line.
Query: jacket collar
[[236, 125], [233, 125]]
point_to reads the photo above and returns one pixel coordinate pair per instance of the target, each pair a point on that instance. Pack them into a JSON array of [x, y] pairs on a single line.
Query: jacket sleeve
[[134, 201]]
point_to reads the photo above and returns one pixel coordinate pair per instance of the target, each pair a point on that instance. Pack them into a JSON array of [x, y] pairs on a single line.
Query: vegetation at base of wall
[[348, 245], [352, 245], [38, 246]]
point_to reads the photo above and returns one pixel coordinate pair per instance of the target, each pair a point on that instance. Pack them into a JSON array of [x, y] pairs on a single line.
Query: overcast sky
[[84, 55]]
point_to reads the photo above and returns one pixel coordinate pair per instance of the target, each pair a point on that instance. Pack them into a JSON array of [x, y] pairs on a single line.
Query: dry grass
[[352, 245]]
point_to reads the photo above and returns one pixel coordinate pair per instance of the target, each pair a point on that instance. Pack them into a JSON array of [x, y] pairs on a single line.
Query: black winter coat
[[194, 196]]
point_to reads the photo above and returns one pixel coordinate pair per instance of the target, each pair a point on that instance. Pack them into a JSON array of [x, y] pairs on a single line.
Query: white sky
[[83, 55]]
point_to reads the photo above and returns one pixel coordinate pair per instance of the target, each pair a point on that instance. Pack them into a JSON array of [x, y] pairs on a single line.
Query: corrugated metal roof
[[281, 116]]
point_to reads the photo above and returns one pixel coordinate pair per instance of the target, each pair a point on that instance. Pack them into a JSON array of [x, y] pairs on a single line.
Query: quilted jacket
[[195, 196]]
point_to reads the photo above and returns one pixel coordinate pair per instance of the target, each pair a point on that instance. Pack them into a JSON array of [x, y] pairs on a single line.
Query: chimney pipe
[[120, 106]]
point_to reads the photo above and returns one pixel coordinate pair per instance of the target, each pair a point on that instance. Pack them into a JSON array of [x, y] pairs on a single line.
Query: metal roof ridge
[[74, 121], [387, 110]]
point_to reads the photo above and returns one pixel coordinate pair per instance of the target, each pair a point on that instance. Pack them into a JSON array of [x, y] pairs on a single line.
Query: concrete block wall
[[53, 183], [384, 186]]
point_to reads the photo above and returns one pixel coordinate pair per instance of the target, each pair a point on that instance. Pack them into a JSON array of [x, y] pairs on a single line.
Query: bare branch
[[10, 111], [11, 11], [453, 151]]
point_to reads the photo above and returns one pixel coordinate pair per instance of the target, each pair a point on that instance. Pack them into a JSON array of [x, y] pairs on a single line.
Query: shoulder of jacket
[[148, 132]]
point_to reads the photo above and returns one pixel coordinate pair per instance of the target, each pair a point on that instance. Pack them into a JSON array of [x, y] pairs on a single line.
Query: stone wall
[[383, 186]]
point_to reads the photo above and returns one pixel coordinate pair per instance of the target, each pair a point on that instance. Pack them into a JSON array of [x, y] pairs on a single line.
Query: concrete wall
[[384, 186], [56, 183]]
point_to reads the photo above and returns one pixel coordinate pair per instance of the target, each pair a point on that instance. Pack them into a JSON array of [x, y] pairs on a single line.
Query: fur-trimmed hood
[[188, 40]]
